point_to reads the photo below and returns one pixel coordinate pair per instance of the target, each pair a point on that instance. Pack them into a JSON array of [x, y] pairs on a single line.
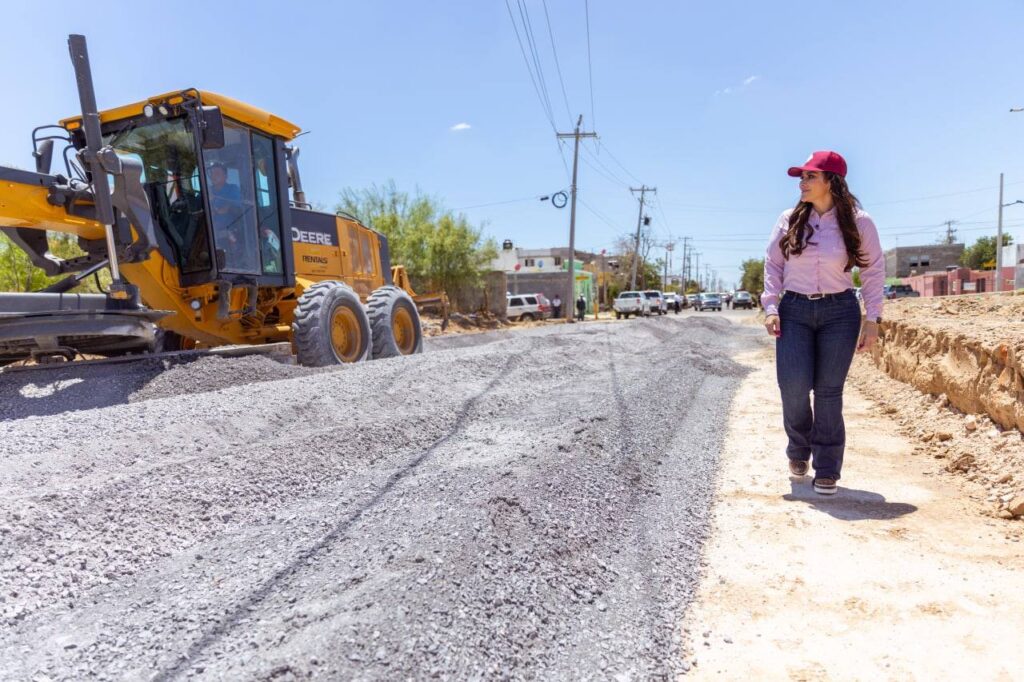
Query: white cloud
[[460, 126], [737, 88]]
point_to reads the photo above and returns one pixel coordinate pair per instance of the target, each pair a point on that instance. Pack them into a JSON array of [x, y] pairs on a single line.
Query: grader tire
[[395, 323], [331, 326]]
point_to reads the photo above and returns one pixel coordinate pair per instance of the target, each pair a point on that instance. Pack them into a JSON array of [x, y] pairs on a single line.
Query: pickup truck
[[630, 303], [656, 301], [900, 291]]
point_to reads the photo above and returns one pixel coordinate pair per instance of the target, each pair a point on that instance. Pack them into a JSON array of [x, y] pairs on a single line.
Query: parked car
[[525, 307], [692, 300], [672, 300], [630, 303], [657, 300], [709, 302], [899, 291], [743, 299]]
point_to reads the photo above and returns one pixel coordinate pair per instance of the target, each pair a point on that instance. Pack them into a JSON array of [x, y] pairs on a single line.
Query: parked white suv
[[657, 300], [630, 303], [524, 307]]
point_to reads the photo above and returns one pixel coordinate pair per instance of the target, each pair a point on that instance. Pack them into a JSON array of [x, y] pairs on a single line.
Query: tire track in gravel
[[148, 497], [335, 535], [519, 545]]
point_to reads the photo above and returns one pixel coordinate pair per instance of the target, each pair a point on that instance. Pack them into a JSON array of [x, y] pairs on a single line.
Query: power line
[[526, 60], [935, 229], [499, 203], [590, 68], [558, 67], [596, 159], [661, 211], [619, 163], [524, 14], [539, 85], [599, 215], [606, 174]]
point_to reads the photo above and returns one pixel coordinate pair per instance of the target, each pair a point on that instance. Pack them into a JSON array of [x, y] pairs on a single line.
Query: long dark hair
[[799, 234]]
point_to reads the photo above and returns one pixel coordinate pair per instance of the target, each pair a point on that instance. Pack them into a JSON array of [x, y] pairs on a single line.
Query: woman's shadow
[[849, 504]]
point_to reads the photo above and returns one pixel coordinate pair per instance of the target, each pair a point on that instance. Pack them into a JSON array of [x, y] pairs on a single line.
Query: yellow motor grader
[[194, 203]]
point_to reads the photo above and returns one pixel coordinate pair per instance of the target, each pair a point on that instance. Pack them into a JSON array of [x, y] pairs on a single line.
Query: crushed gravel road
[[529, 506]]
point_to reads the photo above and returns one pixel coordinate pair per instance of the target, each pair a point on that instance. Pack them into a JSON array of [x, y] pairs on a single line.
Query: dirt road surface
[[528, 505], [901, 576]]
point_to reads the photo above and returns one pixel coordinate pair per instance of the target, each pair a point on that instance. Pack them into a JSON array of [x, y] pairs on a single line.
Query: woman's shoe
[[798, 467], [825, 486]]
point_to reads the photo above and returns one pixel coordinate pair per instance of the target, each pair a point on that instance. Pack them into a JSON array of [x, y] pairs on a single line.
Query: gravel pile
[[530, 507], [211, 373]]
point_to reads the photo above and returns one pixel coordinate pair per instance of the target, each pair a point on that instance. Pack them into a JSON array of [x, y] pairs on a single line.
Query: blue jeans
[[814, 353]]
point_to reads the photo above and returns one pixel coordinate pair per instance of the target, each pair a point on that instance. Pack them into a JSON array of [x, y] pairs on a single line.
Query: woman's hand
[[868, 336], [773, 325]]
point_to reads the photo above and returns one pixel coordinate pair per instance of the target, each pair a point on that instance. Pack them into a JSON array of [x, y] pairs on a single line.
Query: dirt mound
[[969, 348], [969, 446], [211, 373], [458, 323]]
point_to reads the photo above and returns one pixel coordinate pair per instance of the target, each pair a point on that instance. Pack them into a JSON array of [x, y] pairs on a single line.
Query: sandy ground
[[898, 577]]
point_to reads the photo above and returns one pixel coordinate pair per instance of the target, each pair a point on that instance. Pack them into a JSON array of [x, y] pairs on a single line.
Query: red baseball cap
[[822, 161]]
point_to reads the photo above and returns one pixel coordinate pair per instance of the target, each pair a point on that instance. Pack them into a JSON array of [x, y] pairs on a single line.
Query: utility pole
[[999, 240], [668, 260], [686, 261], [570, 299], [950, 232], [643, 189], [696, 270]]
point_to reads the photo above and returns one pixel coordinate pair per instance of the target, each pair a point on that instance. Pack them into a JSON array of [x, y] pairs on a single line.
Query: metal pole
[[93, 147], [999, 240]]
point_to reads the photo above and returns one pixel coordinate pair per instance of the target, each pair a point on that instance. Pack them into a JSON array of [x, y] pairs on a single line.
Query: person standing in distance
[[812, 311], [556, 305]]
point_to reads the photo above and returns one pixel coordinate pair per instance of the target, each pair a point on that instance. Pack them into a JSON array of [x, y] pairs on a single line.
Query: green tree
[[752, 278], [18, 274], [439, 249], [982, 254]]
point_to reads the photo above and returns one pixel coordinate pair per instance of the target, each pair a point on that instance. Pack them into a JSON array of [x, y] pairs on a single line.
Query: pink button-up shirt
[[821, 266]]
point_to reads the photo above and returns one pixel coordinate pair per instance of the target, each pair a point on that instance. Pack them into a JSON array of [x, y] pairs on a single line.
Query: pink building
[[955, 281]]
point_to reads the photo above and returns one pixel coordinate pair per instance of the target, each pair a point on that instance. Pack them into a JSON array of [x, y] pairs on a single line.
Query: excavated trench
[[969, 348]]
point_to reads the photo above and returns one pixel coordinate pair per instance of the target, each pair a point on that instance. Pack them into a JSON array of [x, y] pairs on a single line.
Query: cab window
[[230, 186], [268, 218]]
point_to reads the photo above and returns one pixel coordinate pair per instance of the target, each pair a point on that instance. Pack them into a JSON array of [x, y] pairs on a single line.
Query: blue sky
[[709, 102]]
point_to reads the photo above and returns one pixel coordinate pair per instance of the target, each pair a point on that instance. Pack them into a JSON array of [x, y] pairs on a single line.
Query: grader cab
[[207, 235]]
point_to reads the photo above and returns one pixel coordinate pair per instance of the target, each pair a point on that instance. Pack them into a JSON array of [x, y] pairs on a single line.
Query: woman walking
[[812, 311]]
